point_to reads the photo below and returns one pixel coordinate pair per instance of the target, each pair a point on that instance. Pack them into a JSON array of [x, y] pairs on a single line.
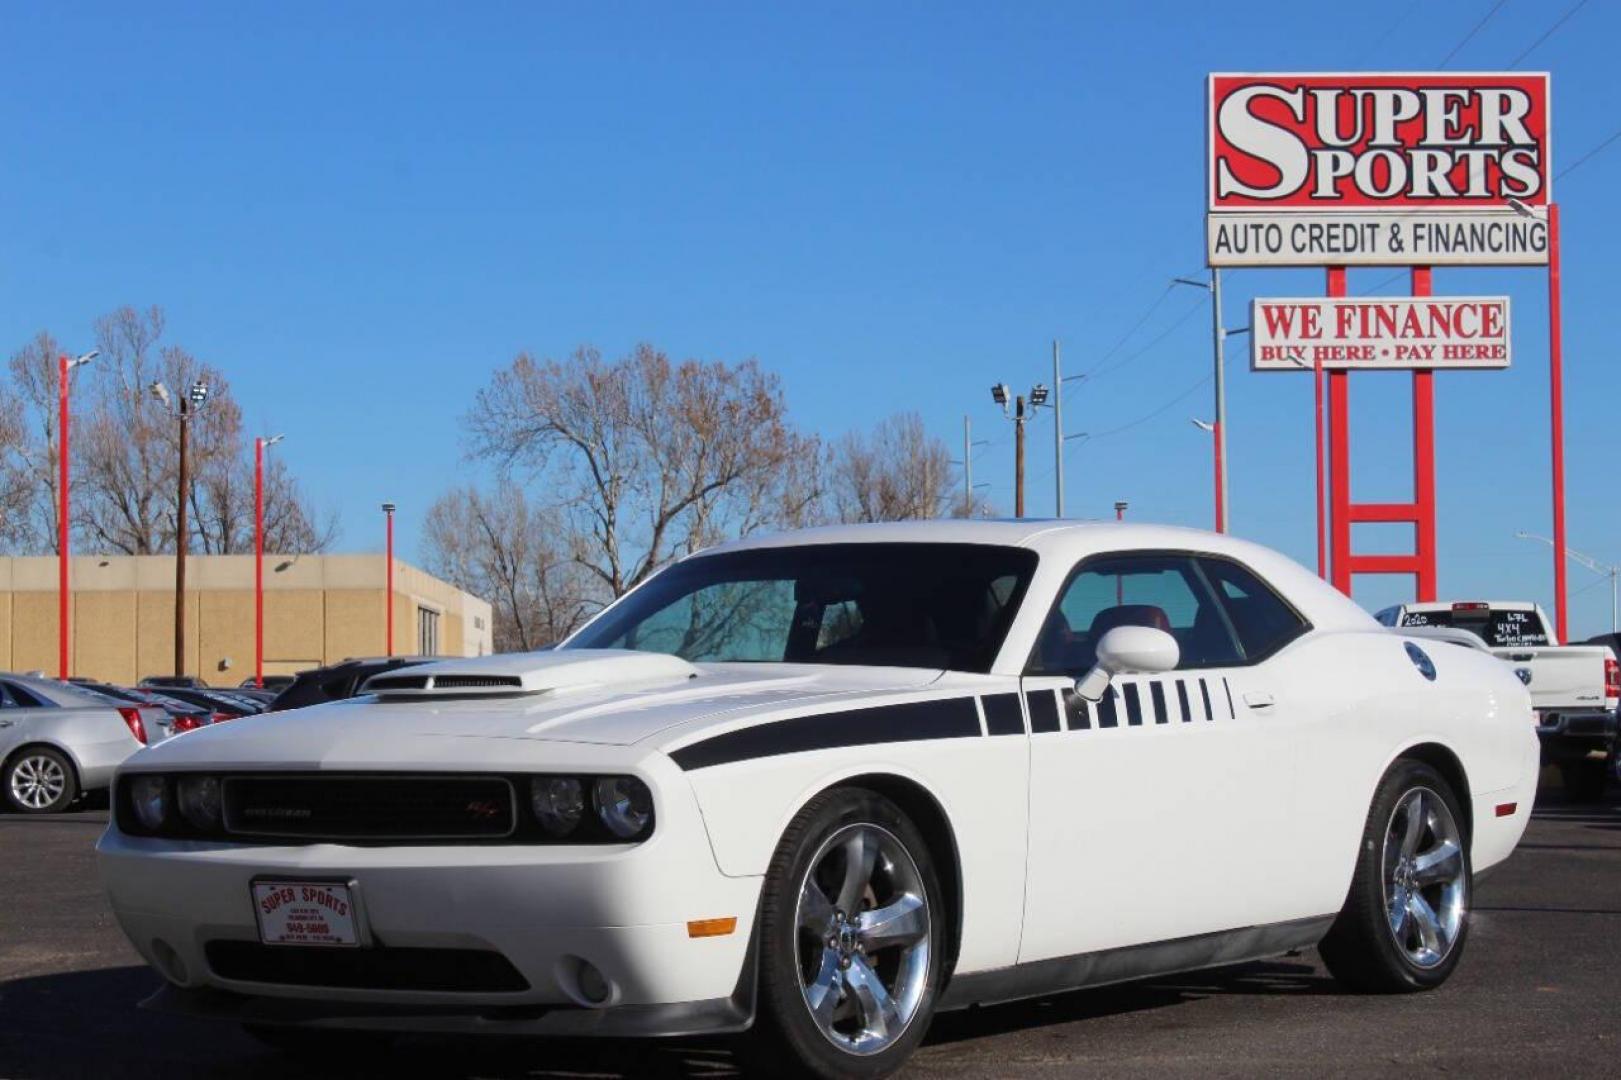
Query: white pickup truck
[[1575, 689]]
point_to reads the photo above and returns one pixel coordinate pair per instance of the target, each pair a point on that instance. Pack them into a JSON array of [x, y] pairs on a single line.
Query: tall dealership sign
[[1415, 170]]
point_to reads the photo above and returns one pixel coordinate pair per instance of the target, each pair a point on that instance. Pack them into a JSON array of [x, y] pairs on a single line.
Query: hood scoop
[[530, 673]]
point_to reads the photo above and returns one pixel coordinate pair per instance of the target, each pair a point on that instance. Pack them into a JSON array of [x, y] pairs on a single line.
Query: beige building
[[318, 609]]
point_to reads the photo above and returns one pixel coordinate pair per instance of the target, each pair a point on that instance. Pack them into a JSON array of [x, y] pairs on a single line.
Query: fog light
[[593, 984]]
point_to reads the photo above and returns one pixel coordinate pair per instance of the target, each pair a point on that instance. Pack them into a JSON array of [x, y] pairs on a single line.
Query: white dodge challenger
[[819, 786]]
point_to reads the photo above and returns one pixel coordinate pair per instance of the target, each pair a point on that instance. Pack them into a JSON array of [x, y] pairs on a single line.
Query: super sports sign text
[[1355, 169]]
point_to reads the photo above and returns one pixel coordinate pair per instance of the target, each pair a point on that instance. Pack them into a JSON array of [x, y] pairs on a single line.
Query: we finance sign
[[1379, 333], [1350, 169]]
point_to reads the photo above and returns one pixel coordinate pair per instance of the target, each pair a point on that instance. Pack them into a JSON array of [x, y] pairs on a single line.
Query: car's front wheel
[[39, 780], [1407, 915], [851, 932]]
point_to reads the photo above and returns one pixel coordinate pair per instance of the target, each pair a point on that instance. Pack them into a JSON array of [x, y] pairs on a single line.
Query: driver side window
[[1165, 592]]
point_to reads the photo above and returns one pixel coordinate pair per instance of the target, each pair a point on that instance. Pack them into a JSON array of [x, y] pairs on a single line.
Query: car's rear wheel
[[851, 933], [39, 780], [1407, 915]]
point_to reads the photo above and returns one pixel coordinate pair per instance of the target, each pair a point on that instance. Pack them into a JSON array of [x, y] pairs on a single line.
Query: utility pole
[[967, 467], [388, 584], [183, 410], [1058, 435], [260, 445], [1038, 398], [1018, 456]]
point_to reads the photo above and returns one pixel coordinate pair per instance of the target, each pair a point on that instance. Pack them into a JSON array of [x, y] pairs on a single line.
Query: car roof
[[1448, 605]]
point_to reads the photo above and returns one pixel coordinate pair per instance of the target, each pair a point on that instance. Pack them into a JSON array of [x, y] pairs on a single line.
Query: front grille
[[469, 971], [369, 808]]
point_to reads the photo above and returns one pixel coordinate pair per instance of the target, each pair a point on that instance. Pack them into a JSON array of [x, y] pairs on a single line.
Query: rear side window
[[13, 696], [1163, 591], [1263, 621]]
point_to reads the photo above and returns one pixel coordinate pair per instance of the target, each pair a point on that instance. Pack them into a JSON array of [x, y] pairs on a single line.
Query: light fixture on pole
[[1120, 510], [183, 410], [388, 608], [1018, 414], [260, 445], [1218, 337], [1603, 569], [64, 367]]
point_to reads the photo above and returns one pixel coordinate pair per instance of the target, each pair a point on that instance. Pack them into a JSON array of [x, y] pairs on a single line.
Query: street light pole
[[1218, 347], [388, 608], [64, 367], [1604, 569], [1038, 398], [259, 447]]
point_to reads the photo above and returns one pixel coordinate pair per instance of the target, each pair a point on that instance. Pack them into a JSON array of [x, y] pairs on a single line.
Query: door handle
[[1258, 699], [6, 723]]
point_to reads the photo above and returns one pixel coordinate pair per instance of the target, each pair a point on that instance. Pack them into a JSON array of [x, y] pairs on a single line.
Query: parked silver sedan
[[58, 741]]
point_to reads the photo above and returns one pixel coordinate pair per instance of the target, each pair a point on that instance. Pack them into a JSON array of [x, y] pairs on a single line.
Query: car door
[[1156, 813], [15, 716]]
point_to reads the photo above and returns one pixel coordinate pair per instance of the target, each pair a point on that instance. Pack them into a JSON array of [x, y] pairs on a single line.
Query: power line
[[1471, 34], [1546, 34], [1389, 29], [1143, 419], [1136, 326], [1590, 155], [1104, 369]]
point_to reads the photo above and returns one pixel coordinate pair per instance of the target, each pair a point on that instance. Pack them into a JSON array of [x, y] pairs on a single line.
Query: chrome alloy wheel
[[37, 782], [863, 934], [1426, 893]]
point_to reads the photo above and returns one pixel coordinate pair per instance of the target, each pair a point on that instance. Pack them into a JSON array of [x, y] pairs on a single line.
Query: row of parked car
[[60, 740]]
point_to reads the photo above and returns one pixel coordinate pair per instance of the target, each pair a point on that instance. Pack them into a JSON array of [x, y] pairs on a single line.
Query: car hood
[[599, 697]]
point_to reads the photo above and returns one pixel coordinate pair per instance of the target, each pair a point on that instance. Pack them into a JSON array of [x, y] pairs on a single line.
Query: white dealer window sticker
[[305, 913]]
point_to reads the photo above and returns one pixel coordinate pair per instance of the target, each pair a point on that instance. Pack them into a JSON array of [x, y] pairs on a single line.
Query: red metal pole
[[259, 563], [1556, 393], [390, 613], [1339, 460], [1221, 510], [1424, 463], [1336, 287], [62, 599]]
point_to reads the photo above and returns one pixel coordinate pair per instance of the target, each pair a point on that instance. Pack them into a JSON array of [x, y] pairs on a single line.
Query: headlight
[[199, 799], [149, 797], [558, 802], [624, 804]]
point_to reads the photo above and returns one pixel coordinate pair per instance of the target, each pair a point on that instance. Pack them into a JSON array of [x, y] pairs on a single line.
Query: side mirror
[[1126, 650]]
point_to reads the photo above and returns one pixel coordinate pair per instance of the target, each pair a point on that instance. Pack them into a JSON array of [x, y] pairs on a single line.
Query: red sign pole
[[1424, 464], [1339, 459], [62, 598], [1556, 393]]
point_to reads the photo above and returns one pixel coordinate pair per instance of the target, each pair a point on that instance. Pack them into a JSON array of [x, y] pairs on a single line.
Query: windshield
[[1498, 629], [901, 605]]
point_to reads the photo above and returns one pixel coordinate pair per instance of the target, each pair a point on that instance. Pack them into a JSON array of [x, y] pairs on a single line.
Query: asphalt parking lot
[[1537, 994]]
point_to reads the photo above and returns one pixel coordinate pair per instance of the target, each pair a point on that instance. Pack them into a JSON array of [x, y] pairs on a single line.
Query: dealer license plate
[[305, 913]]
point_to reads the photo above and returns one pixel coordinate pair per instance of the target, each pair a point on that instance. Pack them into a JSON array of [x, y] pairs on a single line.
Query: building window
[[427, 632]]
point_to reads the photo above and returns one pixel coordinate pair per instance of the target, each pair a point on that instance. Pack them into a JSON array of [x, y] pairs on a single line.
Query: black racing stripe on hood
[[913, 721]]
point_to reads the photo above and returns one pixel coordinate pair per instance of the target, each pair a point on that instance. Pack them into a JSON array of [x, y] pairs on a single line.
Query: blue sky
[[360, 211]]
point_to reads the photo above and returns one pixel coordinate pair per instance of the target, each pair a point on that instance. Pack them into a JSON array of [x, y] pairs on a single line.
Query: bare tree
[[497, 547], [29, 448], [645, 459], [896, 472], [126, 453]]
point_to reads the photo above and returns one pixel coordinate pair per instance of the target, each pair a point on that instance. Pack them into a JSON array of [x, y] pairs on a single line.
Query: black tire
[[1361, 949], [324, 1044], [786, 1040], [30, 761], [1584, 781]]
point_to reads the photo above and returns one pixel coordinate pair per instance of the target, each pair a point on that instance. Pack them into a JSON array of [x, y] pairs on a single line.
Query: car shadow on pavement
[[1263, 978], [77, 1025]]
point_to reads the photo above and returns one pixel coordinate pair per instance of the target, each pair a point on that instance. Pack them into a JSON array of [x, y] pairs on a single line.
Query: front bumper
[[547, 910]]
